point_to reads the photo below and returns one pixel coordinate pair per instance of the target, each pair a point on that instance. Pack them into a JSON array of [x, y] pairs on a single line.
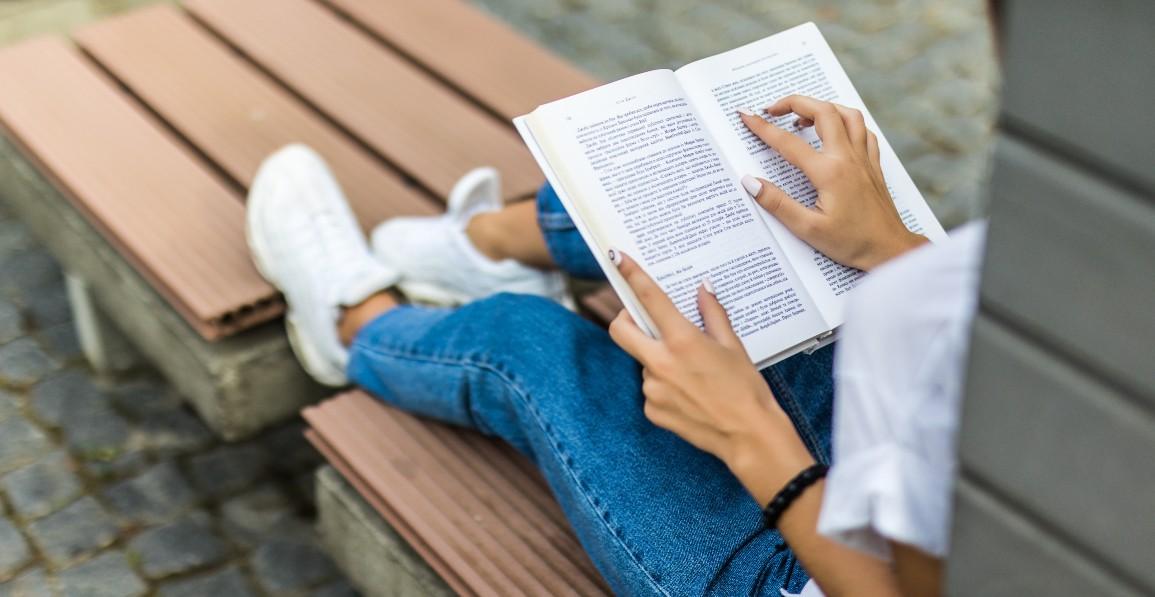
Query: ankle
[[485, 233], [358, 316]]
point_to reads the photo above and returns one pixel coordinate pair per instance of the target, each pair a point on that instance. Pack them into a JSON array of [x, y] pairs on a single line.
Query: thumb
[[714, 317], [797, 218]]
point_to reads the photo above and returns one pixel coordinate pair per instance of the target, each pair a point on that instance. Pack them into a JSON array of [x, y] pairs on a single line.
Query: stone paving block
[[118, 467], [228, 582], [78, 530], [9, 405], [291, 452], [14, 551], [107, 575], [175, 431], [28, 271], [338, 588], [23, 362], [261, 513], [43, 487], [228, 469], [160, 494], [56, 395], [11, 322], [95, 431], [49, 306], [32, 583], [61, 342], [142, 397], [23, 443], [290, 565], [176, 548]]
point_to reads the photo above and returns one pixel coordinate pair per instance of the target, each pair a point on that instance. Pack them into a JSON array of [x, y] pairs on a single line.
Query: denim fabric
[[569, 251], [656, 515]]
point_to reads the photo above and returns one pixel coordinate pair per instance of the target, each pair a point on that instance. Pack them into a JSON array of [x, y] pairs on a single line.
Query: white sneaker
[[440, 265], [306, 242]]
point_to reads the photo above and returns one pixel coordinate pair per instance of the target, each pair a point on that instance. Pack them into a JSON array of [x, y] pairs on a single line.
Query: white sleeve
[[880, 489], [898, 379]]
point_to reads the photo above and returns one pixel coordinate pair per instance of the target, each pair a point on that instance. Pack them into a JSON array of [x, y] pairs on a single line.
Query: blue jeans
[[656, 515]]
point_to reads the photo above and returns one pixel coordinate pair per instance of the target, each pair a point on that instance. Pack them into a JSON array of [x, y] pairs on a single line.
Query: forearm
[[838, 570], [764, 463]]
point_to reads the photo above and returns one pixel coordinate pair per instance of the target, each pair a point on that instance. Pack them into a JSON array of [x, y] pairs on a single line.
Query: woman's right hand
[[854, 221]]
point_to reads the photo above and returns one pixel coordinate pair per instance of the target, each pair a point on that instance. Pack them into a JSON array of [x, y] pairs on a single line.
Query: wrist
[[897, 245], [767, 458]]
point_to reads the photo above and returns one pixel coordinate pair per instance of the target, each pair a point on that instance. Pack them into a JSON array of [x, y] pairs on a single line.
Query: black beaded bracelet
[[790, 492]]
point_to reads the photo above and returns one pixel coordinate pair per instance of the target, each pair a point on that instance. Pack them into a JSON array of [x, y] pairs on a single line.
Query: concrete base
[[239, 385], [105, 348], [376, 559]]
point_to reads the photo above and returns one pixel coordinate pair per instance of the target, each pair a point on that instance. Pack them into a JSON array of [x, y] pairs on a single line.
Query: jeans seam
[[486, 367]]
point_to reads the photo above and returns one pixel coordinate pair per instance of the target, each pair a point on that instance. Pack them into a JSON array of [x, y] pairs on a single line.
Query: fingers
[[872, 150], [792, 147], [797, 218], [714, 317], [826, 118], [855, 125], [659, 306], [626, 334]]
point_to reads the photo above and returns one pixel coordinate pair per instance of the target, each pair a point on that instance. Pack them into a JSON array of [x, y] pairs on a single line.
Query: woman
[[663, 453]]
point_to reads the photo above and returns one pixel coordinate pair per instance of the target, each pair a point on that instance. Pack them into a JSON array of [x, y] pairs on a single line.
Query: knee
[[519, 319], [531, 333]]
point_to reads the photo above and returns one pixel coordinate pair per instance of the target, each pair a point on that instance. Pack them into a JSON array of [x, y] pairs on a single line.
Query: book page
[[645, 177], [796, 61]]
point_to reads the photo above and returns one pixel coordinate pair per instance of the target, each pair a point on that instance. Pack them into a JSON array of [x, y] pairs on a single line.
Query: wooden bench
[[129, 148]]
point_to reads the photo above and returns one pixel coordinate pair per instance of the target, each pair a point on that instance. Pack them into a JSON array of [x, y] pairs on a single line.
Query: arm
[[702, 386]]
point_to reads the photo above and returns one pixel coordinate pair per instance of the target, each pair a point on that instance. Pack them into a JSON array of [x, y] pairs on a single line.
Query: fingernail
[[615, 257], [752, 185], [708, 285], [746, 112]]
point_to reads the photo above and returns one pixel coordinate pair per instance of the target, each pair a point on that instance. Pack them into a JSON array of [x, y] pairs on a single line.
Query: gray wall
[[1057, 489]]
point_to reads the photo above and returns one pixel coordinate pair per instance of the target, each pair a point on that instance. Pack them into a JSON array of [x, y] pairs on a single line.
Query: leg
[[538, 234], [657, 515]]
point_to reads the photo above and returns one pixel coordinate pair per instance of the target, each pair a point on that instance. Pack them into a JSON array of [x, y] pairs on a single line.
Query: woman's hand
[[854, 221], [702, 387]]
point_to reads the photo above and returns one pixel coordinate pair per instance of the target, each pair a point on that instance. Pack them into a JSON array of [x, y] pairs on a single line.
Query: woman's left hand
[[703, 387]]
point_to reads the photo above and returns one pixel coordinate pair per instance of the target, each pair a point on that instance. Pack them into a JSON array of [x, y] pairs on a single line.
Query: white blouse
[[899, 367]]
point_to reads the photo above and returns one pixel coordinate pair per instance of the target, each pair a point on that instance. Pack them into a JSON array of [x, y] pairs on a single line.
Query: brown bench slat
[[396, 521], [233, 113], [394, 107], [179, 224], [529, 524], [482, 56], [400, 458], [358, 435], [532, 571]]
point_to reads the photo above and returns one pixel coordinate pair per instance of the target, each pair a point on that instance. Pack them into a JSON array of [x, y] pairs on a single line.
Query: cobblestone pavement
[[925, 68], [115, 488]]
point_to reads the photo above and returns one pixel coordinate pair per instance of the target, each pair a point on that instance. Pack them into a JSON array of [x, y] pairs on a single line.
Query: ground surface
[[112, 487]]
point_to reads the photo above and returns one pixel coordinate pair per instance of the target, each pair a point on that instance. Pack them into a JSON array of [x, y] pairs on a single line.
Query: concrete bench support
[[376, 559], [238, 385], [105, 348]]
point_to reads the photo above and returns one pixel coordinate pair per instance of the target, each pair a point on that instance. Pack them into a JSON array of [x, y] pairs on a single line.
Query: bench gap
[[329, 120]]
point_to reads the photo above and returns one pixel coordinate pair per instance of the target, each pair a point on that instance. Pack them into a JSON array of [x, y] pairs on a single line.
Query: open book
[[652, 165]]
